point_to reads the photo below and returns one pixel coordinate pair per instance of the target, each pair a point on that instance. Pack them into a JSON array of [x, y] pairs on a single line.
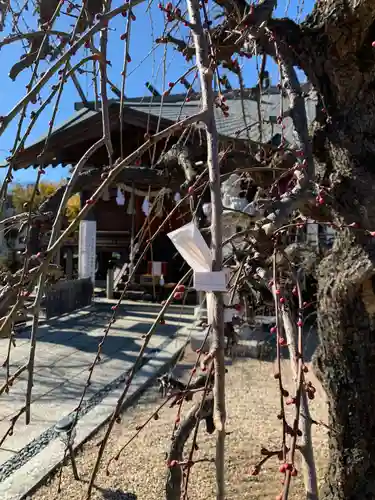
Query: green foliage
[[22, 195]]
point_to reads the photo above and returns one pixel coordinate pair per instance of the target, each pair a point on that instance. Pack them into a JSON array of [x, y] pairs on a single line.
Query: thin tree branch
[[208, 102], [103, 90], [132, 373], [66, 56], [175, 457]]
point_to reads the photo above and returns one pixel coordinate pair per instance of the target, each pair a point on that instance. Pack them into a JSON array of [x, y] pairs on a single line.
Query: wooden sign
[[87, 249]]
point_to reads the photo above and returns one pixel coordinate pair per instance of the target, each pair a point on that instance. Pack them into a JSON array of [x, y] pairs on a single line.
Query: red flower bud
[[283, 468]]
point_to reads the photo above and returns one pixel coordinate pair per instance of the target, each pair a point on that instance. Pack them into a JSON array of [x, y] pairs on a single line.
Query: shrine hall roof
[[153, 112]]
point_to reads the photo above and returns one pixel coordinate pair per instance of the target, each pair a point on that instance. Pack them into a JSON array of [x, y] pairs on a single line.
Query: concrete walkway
[[66, 348]]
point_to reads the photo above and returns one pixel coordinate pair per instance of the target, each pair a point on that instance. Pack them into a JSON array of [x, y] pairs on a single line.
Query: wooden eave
[[88, 129]]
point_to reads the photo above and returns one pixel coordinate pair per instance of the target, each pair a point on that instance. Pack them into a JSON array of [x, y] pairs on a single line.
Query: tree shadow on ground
[[112, 494]]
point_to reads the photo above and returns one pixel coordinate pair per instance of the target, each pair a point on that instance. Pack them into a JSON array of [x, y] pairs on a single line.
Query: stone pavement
[[66, 348]]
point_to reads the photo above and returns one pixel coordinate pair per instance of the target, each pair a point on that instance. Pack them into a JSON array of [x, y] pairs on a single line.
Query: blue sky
[[162, 61]]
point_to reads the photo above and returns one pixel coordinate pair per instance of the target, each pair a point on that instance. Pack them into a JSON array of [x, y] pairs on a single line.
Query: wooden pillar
[[87, 244], [69, 263], [132, 212], [110, 282]]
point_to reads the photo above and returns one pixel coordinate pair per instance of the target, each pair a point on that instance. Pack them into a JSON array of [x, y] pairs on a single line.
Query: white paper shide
[[189, 242]]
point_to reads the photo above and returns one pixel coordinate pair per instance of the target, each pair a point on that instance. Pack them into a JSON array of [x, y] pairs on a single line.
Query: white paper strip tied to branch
[[189, 242]]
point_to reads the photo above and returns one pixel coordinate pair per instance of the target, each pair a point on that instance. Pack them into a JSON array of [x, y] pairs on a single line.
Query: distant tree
[[22, 194], [73, 207]]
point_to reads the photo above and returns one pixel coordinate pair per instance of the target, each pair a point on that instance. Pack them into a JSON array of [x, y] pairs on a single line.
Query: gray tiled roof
[[234, 126], [173, 108]]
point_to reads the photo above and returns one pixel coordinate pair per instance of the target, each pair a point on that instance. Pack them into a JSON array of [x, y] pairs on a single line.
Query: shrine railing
[[67, 296]]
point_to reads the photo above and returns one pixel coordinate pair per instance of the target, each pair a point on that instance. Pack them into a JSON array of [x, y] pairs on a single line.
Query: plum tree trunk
[[345, 364], [334, 49]]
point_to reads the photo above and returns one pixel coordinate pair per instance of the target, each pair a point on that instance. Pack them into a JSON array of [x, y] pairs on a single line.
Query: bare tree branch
[[218, 344], [175, 456]]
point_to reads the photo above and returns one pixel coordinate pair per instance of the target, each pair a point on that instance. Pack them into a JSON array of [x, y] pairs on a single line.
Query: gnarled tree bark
[[343, 72]]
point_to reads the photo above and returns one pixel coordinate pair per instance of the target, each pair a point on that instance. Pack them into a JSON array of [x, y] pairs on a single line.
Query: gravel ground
[[252, 406]]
